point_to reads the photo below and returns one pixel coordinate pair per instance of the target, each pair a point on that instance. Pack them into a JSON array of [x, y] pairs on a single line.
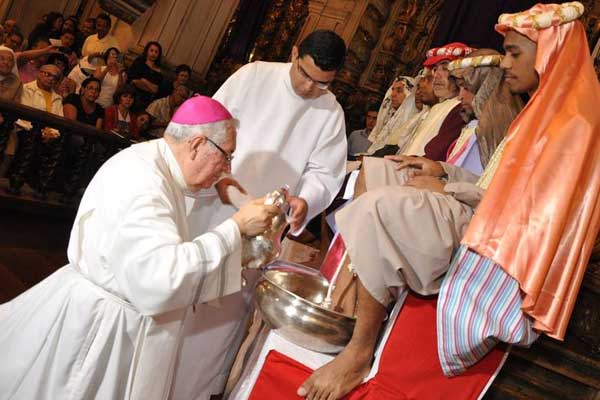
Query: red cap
[[450, 52]]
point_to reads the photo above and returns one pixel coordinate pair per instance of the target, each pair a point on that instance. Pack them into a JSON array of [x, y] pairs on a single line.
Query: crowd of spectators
[[88, 80]]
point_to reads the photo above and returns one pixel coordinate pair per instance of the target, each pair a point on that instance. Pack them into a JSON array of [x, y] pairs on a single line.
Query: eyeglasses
[[228, 157], [49, 75], [306, 77]]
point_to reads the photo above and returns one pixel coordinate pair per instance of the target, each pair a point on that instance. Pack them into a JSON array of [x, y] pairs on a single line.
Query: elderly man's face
[[398, 95], [204, 162], [308, 80], [443, 86], [371, 120], [7, 61], [48, 76], [519, 63]]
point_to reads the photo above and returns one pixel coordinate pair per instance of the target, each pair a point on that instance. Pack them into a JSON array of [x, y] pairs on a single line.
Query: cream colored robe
[[400, 236]]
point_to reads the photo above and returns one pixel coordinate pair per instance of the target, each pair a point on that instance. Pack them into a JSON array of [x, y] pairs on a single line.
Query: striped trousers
[[478, 305]]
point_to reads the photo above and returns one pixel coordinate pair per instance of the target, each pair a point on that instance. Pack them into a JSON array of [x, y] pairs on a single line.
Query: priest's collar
[[172, 164]]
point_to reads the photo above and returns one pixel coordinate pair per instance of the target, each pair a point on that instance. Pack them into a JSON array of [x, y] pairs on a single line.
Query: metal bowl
[[288, 295]]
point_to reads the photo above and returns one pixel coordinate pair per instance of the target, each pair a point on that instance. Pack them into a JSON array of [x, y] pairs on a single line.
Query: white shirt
[[94, 45], [283, 139], [108, 89], [109, 324], [33, 96]]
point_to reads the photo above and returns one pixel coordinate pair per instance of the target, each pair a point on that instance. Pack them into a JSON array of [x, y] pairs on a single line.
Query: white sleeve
[[158, 272], [324, 173]]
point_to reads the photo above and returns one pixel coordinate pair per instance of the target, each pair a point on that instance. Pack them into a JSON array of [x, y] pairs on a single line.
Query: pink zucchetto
[[199, 110]]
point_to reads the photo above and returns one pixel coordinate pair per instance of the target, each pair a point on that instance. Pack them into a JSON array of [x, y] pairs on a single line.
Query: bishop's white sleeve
[[324, 173], [158, 272]]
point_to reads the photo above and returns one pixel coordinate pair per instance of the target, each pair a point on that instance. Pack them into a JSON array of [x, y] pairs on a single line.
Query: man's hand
[[222, 186], [299, 209], [255, 217], [430, 183], [423, 166]]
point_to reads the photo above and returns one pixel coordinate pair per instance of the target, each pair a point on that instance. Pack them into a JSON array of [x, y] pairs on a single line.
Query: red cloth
[[111, 117], [437, 148], [409, 367], [333, 257]]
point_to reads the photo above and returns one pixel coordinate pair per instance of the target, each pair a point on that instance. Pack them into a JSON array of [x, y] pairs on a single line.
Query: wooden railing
[[61, 165]]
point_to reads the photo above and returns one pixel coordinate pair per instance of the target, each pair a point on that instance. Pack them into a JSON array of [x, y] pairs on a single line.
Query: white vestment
[[282, 139], [108, 325]]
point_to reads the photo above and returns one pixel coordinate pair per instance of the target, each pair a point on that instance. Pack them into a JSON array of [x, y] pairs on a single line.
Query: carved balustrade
[[60, 165]]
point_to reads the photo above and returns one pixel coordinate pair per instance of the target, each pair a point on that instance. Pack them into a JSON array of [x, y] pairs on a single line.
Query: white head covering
[[390, 120], [15, 69]]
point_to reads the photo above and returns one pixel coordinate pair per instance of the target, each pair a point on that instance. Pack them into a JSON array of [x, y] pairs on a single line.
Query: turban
[[449, 52], [199, 110]]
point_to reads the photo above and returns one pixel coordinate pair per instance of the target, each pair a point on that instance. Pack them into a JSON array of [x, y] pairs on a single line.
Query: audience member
[[51, 28], [65, 86], [397, 107], [71, 24], [182, 76], [89, 27], [162, 110], [30, 61], [98, 43], [67, 39], [110, 75], [14, 40], [358, 140], [118, 116], [83, 107], [10, 82], [145, 74]]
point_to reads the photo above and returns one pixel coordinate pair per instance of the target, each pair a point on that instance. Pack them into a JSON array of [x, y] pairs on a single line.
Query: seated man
[[524, 255], [404, 236], [397, 107], [161, 110], [358, 140], [443, 123], [108, 325]]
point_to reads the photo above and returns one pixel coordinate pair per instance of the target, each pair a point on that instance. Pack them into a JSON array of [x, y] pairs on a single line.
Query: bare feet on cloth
[[337, 378]]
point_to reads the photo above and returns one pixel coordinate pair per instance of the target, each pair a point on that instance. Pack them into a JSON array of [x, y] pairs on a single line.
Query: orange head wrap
[[540, 215]]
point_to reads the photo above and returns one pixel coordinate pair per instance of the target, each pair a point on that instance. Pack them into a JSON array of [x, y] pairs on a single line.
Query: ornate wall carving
[[391, 39], [279, 30]]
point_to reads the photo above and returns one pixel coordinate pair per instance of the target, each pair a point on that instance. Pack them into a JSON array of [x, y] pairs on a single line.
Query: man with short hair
[[524, 254], [161, 110], [292, 132], [358, 140], [95, 45], [108, 325], [88, 27]]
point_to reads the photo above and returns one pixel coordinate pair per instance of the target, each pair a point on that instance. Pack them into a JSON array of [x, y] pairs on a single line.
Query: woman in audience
[[83, 107], [51, 28], [111, 76], [118, 116], [145, 74]]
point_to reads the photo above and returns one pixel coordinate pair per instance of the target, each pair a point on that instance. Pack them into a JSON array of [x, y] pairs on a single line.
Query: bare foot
[[338, 377]]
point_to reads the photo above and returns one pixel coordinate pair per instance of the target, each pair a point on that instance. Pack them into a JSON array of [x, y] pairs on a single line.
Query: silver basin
[[288, 296]]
